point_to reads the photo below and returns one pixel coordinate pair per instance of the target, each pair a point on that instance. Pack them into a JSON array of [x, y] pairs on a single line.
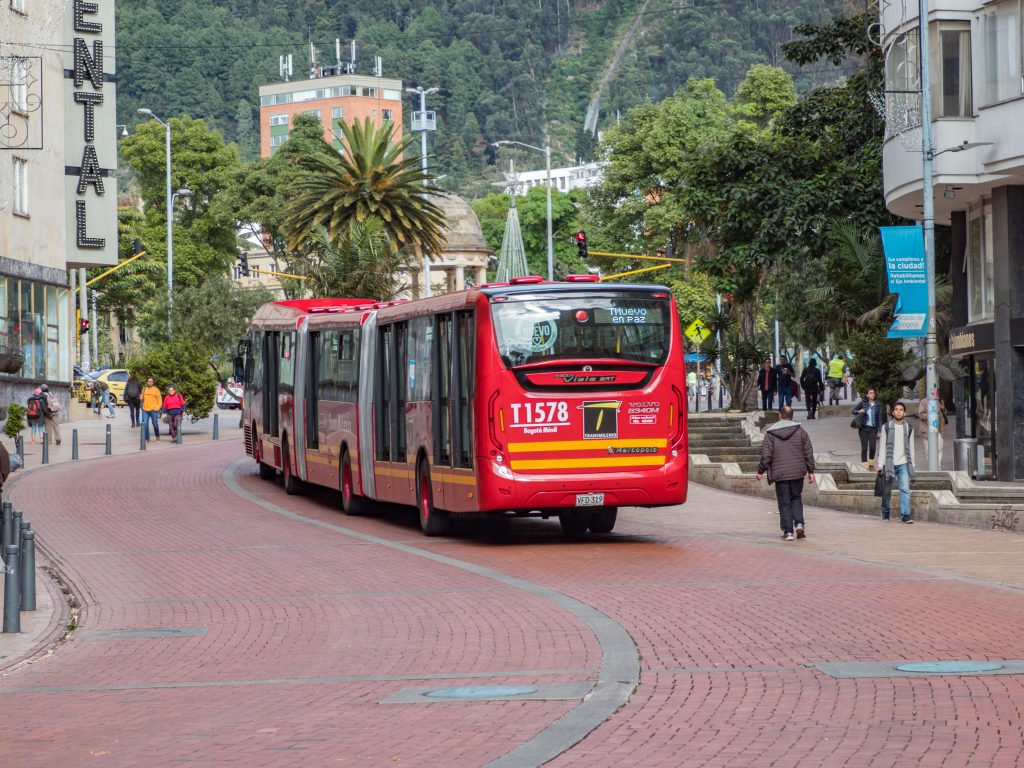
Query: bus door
[[271, 420], [367, 395], [394, 476], [460, 483]]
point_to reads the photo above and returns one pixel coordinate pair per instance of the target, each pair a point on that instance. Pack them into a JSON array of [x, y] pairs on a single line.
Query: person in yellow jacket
[[152, 402], [836, 369]]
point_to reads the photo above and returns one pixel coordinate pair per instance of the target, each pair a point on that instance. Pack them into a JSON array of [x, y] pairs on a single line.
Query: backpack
[[52, 403], [35, 408]]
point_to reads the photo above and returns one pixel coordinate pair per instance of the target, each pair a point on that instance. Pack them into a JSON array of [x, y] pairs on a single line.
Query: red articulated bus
[[525, 398]]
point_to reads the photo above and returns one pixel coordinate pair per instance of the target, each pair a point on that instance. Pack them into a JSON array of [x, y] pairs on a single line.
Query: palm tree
[[368, 180], [361, 263]]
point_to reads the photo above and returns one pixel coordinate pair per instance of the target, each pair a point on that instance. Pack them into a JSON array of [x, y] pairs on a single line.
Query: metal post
[[83, 304], [776, 341], [170, 232], [19, 448], [143, 431], [74, 445], [12, 600], [931, 351], [423, 161], [46, 447], [177, 435], [27, 564], [718, 360], [107, 449], [16, 529], [8, 525], [551, 242], [95, 332], [216, 426]]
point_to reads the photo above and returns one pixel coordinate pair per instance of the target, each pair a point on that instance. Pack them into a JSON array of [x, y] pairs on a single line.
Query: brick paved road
[[293, 634]]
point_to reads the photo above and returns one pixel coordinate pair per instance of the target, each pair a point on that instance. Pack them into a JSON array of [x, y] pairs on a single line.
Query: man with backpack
[[51, 414], [35, 409], [810, 381], [895, 461]]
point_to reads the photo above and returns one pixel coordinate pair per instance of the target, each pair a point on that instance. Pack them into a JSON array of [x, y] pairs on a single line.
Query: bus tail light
[[676, 419], [491, 431]]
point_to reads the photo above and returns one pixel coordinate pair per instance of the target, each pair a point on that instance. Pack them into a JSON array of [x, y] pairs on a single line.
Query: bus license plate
[[589, 499]]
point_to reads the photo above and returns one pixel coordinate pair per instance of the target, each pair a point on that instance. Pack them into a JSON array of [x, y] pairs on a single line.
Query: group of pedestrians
[[780, 380], [43, 414], [146, 407], [887, 446]]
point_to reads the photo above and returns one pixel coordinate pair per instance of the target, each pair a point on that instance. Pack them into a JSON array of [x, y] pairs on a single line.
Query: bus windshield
[[546, 328]]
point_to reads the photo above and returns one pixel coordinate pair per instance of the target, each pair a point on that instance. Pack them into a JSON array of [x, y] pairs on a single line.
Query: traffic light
[[243, 264], [581, 243], [136, 247], [83, 327]]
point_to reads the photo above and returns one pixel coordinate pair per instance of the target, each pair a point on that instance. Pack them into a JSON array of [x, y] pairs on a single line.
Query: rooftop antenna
[[352, 59], [378, 66], [337, 52], [285, 67], [312, 58]]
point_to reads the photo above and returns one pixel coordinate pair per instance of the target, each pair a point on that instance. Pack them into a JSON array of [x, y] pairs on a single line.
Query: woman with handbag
[[868, 417]]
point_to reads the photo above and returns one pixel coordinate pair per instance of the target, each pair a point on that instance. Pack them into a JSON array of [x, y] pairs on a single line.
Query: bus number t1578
[[545, 412]]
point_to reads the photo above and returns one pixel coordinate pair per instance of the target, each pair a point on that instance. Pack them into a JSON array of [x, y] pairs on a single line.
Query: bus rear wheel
[[351, 502], [291, 483], [574, 523], [603, 520], [433, 521]]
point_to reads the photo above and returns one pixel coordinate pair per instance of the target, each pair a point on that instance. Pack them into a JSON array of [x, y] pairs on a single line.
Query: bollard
[[143, 431], [46, 447], [177, 435], [19, 448], [27, 563], [216, 426], [108, 450], [12, 601], [7, 527], [15, 536], [74, 445]]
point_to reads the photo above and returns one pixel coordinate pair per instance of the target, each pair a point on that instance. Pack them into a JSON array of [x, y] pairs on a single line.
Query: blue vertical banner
[[908, 279]]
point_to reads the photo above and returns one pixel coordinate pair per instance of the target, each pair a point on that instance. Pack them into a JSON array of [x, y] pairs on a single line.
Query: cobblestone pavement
[[227, 623]]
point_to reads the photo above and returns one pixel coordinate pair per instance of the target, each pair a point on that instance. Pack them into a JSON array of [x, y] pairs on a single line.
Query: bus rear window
[[585, 326]]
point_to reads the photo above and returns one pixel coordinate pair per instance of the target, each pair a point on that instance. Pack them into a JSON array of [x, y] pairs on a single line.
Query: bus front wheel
[[351, 503], [433, 521], [574, 523], [603, 520]]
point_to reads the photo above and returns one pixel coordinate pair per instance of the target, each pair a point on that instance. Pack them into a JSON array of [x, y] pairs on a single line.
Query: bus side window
[[400, 382], [384, 400], [348, 366], [286, 363], [421, 350], [442, 392], [465, 378]]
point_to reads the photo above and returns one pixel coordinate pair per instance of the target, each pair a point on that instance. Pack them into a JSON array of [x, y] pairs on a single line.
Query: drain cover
[[950, 667], [480, 692]]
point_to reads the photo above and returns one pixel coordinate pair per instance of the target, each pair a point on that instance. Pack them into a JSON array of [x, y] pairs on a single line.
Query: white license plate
[[589, 499]]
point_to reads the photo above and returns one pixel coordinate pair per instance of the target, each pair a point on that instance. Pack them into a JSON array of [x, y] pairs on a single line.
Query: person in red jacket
[[174, 407]]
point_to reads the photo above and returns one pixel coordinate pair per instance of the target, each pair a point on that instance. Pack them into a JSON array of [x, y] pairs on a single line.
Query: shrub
[[15, 420], [878, 362], [185, 365]]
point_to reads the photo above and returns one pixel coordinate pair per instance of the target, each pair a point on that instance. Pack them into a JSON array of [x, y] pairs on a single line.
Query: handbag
[[858, 421], [881, 484]]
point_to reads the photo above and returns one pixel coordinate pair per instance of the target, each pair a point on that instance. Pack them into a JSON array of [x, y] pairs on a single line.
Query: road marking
[[620, 664]]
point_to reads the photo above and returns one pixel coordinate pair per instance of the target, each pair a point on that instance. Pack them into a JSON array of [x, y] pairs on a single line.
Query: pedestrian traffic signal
[[581, 243], [243, 263], [83, 327]]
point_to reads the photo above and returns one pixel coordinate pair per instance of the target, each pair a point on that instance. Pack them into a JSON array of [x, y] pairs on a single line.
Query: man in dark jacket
[[784, 374], [787, 455], [766, 379], [812, 385]]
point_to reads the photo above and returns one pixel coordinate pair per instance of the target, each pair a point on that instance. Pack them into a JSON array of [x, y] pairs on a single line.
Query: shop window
[[951, 86], [1000, 51], [980, 266]]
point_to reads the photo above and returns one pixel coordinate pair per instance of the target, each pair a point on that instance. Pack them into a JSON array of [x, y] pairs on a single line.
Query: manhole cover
[[950, 667], [480, 692]]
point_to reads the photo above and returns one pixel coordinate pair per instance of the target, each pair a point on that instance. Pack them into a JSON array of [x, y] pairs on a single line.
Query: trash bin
[[965, 455]]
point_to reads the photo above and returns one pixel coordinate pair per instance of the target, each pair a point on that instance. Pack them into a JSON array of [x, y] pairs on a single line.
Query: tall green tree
[[360, 264], [370, 180]]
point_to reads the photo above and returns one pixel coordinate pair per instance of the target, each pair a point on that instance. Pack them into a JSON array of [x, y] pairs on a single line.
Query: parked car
[[116, 380], [231, 397]]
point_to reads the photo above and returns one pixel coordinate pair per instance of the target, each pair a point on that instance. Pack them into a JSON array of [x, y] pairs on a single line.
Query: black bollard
[[108, 449], [16, 529], [216, 426], [8, 525], [12, 601], [143, 431], [19, 448], [74, 445], [27, 564], [177, 436], [46, 447]]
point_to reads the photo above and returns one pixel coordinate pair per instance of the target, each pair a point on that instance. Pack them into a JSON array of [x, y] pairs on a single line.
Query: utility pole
[[931, 344], [83, 303], [424, 121], [95, 332]]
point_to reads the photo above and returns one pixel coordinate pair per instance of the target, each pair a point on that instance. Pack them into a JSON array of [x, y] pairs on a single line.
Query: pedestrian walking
[[104, 399], [133, 399], [51, 417], [152, 402], [922, 418], [787, 457], [836, 373], [784, 374], [895, 461], [813, 386], [691, 384], [36, 407], [174, 407], [868, 417], [766, 382]]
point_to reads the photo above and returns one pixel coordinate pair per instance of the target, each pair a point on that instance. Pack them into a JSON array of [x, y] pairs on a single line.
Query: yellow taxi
[[115, 379]]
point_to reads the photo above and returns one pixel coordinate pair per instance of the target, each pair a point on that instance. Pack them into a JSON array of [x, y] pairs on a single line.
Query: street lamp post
[[546, 149], [424, 124]]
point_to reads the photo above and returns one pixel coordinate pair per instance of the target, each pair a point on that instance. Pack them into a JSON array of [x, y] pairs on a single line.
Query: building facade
[[563, 179], [57, 148], [334, 99], [976, 60]]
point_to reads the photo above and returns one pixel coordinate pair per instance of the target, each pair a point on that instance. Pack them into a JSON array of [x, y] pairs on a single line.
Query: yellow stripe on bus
[[591, 463], [584, 445]]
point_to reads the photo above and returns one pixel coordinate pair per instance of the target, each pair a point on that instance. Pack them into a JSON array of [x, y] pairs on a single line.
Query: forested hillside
[[508, 69]]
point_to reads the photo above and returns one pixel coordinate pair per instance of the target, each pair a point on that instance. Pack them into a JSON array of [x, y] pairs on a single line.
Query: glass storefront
[[979, 403], [34, 319]]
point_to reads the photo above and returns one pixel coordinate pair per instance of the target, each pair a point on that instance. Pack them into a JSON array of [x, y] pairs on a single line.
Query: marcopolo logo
[[600, 419]]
